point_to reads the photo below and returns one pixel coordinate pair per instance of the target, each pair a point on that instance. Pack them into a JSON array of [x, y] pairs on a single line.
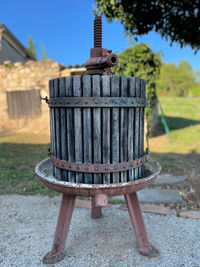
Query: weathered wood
[[115, 88], [78, 127], [57, 126], [70, 128], [97, 134], [131, 128], [137, 126], [142, 126], [87, 128], [106, 127], [96, 91], [37, 101], [52, 123], [63, 128], [123, 128], [23, 104], [26, 103]]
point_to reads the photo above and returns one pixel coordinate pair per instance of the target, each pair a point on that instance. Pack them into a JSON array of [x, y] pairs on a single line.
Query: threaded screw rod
[[97, 32]]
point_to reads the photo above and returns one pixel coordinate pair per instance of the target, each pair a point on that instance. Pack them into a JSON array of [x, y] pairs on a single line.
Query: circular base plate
[[44, 171]]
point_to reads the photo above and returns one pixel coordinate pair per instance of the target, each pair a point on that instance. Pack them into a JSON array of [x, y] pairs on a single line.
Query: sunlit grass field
[[183, 118], [182, 149]]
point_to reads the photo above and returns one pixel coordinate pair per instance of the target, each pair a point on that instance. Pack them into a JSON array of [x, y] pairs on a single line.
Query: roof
[[14, 42]]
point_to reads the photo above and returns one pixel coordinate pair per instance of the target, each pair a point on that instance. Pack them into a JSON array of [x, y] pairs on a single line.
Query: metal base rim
[[90, 190]]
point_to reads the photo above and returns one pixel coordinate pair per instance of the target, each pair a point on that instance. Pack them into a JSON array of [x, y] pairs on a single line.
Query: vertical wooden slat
[[96, 88], [137, 125], [20, 109], [57, 125], [16, 115], [52, 123], [36, 108], [23, 104], [106, 127], [28, 102], [63, 128], [115, 88], [77, 90], [124, 127], [32, 103], [131, 127], [87, 127], [10, 107], [70, 128], [142, 126], [31, 96]]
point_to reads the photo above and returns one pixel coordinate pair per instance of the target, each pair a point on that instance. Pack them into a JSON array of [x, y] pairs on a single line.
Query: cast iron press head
[[101, 59]]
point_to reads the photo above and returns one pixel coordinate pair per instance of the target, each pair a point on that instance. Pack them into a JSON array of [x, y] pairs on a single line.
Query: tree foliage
[[177, 80], [140, 61], [31, 46], [44, 53], [177, 20]]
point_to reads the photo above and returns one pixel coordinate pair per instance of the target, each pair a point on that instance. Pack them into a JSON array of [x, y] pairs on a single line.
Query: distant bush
[[194, 91], [178, 80], [9, 65]]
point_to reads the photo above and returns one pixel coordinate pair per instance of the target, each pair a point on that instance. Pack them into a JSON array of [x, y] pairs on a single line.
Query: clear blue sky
[[65, 27]]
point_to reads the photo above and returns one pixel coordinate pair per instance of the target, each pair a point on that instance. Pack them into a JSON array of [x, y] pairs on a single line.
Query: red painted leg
[[96, 211], [62, 228], [135, 213]]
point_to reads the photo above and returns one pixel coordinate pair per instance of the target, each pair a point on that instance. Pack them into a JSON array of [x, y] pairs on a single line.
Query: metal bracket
[[65, 102], [98, 168], [44, 98]]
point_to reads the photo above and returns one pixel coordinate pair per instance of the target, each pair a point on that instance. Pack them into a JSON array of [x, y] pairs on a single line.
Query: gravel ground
[[27, 225]]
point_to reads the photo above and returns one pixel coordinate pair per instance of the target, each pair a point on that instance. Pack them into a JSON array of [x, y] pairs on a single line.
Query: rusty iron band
[[98, 168], [67, 102]]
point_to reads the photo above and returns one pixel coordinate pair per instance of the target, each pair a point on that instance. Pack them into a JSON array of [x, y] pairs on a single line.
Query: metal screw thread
[[97, 32]]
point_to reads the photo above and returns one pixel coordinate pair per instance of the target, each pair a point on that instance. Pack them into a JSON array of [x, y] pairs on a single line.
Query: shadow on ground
[[174, 123]]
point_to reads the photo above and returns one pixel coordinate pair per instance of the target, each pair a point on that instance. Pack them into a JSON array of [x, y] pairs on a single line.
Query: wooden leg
[[135, 213], [62, 228], [96, 211]]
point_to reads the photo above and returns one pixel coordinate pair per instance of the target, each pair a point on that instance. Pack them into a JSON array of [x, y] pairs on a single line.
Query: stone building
[[10, 47], [21, 86]]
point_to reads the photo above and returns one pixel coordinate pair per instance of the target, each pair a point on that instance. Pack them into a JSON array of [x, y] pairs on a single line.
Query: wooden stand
[[64, 219]]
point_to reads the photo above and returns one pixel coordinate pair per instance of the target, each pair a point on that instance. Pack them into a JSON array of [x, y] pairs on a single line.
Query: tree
[[178, 20], [176, 80], [44, 54], [31, 46], [140, 61]]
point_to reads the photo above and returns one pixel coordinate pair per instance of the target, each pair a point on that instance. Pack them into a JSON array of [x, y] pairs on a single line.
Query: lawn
[[182, 149], [20, 152]]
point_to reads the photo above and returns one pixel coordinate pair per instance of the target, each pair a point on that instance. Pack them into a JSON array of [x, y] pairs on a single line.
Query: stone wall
[[25, 76], [28, 75]]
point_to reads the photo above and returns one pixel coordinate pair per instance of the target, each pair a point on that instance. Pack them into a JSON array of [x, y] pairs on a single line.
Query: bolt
[[97, 32]]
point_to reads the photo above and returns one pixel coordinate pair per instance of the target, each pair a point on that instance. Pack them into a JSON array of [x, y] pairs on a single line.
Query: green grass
[[183, 118], [19, 153], [182, 149]]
